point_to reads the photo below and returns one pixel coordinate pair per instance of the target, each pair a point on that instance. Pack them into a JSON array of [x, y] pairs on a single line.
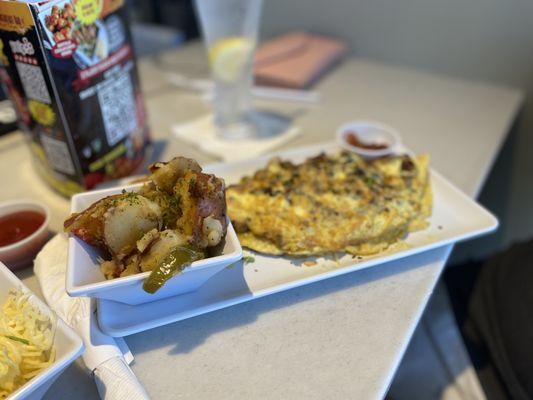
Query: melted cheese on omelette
[[331, 203]]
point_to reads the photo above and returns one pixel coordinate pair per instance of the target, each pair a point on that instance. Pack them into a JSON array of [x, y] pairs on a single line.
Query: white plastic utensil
[[206, 87]]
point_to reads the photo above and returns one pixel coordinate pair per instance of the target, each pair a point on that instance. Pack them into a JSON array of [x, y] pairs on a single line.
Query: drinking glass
[[230, 28]]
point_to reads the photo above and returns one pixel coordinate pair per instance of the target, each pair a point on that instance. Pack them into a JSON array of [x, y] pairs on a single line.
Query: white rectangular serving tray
[[455, 217]]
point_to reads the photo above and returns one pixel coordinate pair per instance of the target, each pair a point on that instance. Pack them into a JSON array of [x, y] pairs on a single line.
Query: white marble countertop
[[343, 337]]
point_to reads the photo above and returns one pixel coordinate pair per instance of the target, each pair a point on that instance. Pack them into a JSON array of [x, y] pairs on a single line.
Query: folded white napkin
[[106, 357], [201, 133]]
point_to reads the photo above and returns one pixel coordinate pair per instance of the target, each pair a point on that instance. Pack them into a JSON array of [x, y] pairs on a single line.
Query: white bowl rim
[[344, 128], [34, 235], [81, 290]]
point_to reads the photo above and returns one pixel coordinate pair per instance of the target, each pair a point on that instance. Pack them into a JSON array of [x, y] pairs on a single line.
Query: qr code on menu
[[58, 155], [33, 82], [118, 108]]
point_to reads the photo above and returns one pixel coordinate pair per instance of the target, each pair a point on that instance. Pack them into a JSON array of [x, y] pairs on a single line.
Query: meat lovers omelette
[[331, 203]]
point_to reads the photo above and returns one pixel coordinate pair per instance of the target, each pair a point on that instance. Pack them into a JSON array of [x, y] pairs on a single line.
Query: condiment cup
[[370, 132], [19, 254]]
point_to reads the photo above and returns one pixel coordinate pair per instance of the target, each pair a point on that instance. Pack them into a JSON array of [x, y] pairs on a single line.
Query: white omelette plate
[[455, 217]]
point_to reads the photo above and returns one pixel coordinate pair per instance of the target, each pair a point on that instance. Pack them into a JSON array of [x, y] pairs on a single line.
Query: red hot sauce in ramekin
[[18, 226]]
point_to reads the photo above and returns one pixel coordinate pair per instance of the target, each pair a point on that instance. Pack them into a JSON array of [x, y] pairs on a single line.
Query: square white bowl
[[84, 277], [68, 345]]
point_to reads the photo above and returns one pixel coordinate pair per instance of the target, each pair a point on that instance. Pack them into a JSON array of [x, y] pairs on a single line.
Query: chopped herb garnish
[[174, 203], [369, 180], [248, 259], [132, 197], [17, 339]]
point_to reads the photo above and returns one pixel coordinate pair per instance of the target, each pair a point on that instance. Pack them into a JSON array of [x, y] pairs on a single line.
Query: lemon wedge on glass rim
[[228, 57]]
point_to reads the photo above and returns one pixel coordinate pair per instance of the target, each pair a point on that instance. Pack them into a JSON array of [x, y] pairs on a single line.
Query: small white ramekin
[[19, 254], [369, 132]]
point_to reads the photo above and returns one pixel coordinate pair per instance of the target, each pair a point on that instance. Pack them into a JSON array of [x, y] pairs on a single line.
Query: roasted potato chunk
[[165, 175], [127, 220], [201, 196], [88, 225]]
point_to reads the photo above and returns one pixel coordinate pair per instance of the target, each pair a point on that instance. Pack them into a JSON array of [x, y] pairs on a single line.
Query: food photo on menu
[[247, 199]]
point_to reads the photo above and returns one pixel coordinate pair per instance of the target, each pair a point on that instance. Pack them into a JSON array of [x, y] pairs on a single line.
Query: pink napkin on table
[[296, 60]]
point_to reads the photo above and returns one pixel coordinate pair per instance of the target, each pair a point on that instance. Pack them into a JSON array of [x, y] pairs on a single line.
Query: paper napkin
[[202, 133], [106, 357]]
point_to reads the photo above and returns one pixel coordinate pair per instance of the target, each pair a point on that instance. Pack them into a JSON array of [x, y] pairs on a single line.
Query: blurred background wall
[[490, 40]]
